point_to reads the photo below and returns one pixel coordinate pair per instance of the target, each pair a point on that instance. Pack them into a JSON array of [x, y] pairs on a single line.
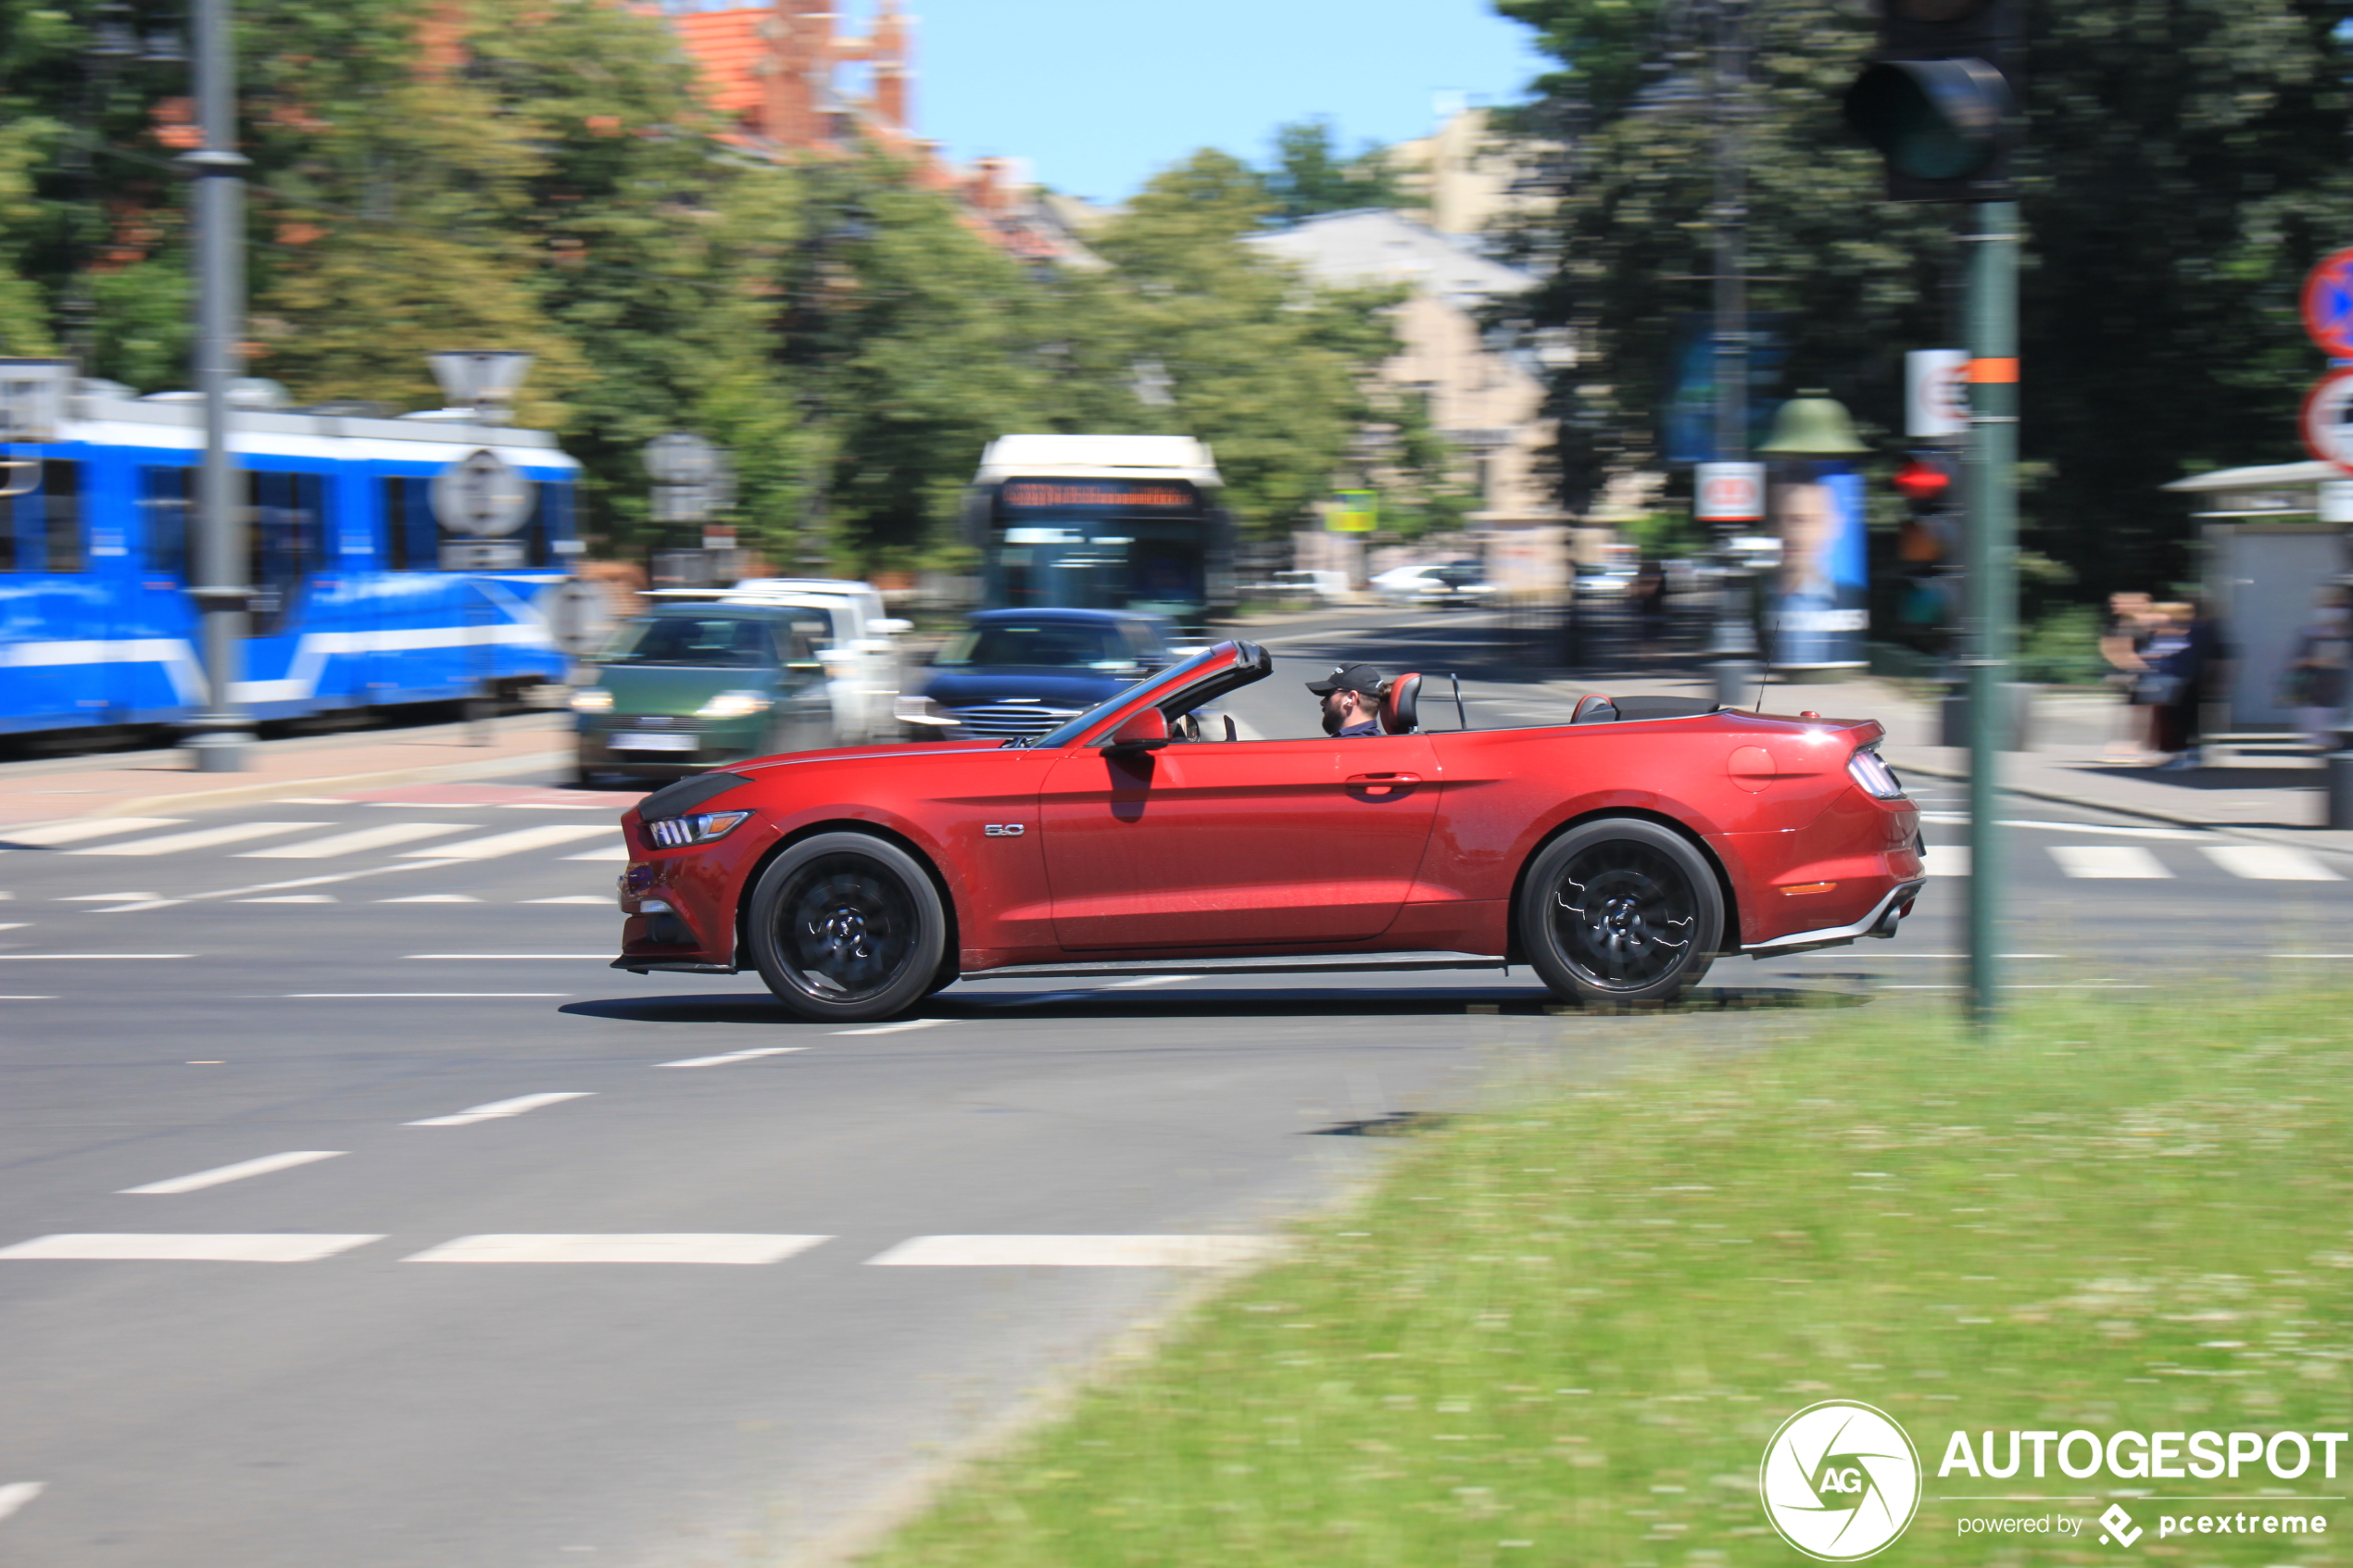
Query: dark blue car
[[1015, 673]]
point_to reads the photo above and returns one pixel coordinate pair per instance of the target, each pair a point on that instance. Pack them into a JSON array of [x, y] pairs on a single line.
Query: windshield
[[733, 642], [1169, 678], [1062, 645]]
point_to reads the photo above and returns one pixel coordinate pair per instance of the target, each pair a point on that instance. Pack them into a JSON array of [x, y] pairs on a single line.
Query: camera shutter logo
[[1840, 1481]]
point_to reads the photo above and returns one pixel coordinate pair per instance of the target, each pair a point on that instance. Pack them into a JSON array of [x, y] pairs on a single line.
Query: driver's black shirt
[[1369, 727]]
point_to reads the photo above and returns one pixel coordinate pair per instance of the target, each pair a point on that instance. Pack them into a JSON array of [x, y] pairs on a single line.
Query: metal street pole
[[1735, 639], [222, 734], [1993, 577]]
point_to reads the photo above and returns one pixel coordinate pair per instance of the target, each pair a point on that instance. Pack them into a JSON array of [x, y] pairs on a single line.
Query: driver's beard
[[1332, 719]]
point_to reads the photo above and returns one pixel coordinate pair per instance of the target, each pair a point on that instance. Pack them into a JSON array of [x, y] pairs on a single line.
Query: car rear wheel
[[1622, 911], [845, 927]]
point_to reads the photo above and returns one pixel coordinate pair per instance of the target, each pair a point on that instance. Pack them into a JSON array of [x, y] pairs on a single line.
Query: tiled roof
[[728, 47]]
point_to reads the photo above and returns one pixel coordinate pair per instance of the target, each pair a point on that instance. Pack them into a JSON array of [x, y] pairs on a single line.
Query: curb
[[245, 794], [2293, 836]]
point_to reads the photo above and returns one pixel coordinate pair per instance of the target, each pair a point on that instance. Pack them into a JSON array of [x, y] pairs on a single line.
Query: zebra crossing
[[2133, 862], [1177, 1252], [338, 840]]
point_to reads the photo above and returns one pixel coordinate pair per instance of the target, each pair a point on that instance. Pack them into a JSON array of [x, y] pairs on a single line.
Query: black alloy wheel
[[1620, 910], [846, 927]]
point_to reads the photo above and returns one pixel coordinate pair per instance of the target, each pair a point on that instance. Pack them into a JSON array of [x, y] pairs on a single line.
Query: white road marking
[[567, 957], [199, 838], [424, 805], [2266, 955], [658, 1248], [220, 1174], [601, 899], [53, 833], [609, 852], [270, 1247], [726, 1057], [433, 899], [291, 898], [498, 1108], [28, 998], [16, 1494], [357, 995], [2112, 861], [1946, 859], [896, 1028], [102, 897], [316, 800], [12, 925], [61, 957], [555, 806], [354, 842], [133, 908], [1141, 982], [2182, 836], [1077, 1251], [2268, 862], [513, 842]]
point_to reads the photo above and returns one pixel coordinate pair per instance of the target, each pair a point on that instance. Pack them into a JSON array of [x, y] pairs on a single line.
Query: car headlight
[[735, 705], [680, 832], [592, 699], [1875, 776]]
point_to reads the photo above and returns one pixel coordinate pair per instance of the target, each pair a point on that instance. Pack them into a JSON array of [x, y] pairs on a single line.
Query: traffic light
[[1941, 98]]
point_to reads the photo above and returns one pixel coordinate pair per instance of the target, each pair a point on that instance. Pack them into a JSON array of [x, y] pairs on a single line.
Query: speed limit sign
[[2328, 408]]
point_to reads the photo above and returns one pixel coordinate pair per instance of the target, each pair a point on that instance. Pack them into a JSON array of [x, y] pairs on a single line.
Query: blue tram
[[361, 598]]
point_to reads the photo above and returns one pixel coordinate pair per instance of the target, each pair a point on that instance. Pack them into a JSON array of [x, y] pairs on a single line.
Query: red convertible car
[[1616, 855]]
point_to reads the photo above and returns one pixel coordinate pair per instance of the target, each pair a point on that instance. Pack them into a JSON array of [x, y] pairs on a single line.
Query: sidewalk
[[145, 782], [2277, 801]]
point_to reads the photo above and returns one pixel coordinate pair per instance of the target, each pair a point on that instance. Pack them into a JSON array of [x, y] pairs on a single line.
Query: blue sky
[[1097, 95]]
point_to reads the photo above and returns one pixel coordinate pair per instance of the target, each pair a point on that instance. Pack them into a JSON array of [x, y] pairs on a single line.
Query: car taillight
[[1875, 777], [681, 833]]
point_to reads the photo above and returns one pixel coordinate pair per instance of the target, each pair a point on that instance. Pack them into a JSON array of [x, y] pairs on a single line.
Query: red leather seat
[[1399, 709]]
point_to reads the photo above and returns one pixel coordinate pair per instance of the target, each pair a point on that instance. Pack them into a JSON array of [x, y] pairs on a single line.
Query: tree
[[1309, 176], [2181, 168]]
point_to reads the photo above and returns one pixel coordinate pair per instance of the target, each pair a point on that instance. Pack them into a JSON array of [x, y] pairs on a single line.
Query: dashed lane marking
[[1143, 981], [372, 995], [656, 1247], [898, 1028], [725, 1057], [565, 958], [69, 958], [199, 838], [1077, 1251], [291, 898], [103, 897], [502, 1108], [609, 852], [221, 1175], [51, 835], [1946, 859], [513, 842], [269, 1246], [382, 836], [2109, 862], [433, 899], [2268, 862], [16, 1494], [601, 900]]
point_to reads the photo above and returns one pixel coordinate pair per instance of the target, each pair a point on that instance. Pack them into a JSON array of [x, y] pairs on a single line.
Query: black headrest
[[1399, 711], [1663, 707], [1593, 709]]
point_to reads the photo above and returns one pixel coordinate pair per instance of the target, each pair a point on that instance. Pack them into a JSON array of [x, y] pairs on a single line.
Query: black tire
[[846, 927], [1620, 911]]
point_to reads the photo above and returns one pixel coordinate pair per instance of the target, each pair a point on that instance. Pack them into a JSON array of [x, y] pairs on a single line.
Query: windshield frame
[[1246, 659]]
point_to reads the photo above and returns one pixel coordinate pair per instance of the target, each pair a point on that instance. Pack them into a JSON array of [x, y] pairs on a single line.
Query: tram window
[[41, 530], [550, 522], [413, 541], [165, 496], [286, 545]]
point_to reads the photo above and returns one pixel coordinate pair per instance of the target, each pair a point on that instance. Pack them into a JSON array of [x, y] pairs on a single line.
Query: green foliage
[[1564, 1331], [1309, 176], [2183, 167], [2063, 649]]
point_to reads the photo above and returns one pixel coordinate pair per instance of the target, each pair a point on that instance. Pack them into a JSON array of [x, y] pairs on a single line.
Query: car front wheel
[[1620, 910], [846, 927]]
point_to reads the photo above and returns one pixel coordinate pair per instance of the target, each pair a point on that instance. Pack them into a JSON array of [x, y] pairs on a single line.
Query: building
[[1463, 179]]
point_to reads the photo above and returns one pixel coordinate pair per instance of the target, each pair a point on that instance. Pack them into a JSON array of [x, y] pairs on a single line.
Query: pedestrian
[[2314, 682], [2191, 666], [2129, 624]]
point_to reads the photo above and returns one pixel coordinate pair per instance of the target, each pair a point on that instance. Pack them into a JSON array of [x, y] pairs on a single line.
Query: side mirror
[[1145, 729]]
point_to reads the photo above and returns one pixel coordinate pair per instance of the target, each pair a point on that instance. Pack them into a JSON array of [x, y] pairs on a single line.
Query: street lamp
[[483, 379]]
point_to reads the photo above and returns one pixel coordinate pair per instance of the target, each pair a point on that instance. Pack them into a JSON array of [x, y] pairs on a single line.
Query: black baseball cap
[[1361, 678]]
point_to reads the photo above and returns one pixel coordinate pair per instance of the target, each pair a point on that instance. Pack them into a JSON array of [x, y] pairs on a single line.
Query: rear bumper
[[1881, 921]]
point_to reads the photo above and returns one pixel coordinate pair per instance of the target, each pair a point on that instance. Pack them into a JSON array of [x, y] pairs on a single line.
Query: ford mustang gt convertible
[[1616, 855]]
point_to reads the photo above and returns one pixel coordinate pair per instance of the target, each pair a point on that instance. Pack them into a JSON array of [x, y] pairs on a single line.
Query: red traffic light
[[1917, 481]]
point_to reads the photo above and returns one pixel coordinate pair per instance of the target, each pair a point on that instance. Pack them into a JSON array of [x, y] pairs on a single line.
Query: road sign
[[2328, 304], [481, 496], [1351, 511], [32, 398], [2337, 500], [2327, 420], [1727, 492], [681, 458], [1936, 394]]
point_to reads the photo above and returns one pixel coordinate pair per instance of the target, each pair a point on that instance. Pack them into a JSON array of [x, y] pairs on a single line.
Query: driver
[[1350, 695]]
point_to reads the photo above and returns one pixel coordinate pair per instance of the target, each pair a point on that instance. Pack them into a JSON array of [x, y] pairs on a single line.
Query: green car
[[691, 687]]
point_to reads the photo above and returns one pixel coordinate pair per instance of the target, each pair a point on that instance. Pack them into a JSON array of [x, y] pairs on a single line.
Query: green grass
[[1562, 1332]]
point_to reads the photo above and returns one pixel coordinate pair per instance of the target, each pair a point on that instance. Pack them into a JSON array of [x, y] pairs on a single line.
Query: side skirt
[[1302, 964]]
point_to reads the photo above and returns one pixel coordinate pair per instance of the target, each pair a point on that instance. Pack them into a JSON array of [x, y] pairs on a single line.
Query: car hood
[[1053, 686], [676, 690]]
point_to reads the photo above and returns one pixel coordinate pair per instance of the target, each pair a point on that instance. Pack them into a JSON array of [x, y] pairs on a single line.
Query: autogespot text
[[2163, 1456]]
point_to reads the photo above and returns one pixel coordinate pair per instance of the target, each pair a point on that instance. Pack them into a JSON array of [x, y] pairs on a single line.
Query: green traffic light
[[1932, 119]]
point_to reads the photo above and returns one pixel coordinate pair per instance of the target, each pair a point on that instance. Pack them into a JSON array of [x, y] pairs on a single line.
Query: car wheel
[[846, 927], [1622, 911]]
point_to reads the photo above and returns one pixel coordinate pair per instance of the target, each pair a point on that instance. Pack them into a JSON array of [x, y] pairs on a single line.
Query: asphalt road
[[582, 1265]]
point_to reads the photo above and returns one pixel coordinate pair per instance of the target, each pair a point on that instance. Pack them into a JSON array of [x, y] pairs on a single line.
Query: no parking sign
[[2327, 408], [2328, 304]]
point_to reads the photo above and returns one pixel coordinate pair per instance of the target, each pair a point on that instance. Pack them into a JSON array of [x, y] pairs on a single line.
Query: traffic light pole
[[1993, 577]]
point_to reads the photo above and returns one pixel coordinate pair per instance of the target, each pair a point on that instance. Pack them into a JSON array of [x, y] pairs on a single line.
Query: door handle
[[1378, 786]]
